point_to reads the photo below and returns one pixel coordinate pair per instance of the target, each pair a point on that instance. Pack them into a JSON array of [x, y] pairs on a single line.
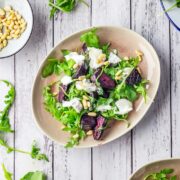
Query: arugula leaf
[[162, 175], [57, 67], [90, 38], [177, 4], [7, 175], [65, 52], [9, 99], [63, 5], [35, 152], [105, 49], [38, 175]]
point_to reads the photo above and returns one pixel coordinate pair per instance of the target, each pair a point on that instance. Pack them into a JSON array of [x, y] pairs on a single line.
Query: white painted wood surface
[[156, 137]]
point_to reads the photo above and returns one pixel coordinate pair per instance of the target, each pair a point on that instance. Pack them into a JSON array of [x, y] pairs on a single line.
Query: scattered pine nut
[[93, 114], [89, 133]]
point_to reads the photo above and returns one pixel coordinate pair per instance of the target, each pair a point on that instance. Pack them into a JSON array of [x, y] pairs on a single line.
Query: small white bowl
[[24, 9]]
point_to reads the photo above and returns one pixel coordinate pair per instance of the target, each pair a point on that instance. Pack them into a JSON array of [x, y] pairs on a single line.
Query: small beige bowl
[[156, 167], [126, 42]]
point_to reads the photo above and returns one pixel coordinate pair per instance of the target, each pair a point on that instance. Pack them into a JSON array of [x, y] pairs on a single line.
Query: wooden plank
[[112, 161], [175, 88], [76, 163], [151, 138], [26, 66], [7, 73]]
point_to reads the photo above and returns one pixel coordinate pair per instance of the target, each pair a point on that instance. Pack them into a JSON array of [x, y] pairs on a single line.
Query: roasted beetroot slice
[[84, 47], [61, 94], [105, 94], [88, 122], [134, 78], [106, 81], [95, 75], [99, 129], [81, 71]]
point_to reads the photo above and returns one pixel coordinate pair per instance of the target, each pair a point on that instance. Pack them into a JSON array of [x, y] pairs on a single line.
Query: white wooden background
[[156, 137]]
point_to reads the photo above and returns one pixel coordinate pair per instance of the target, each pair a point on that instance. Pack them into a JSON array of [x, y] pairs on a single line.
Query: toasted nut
[[84, 102], [76, 136], [139, 53], [2, 12], [101, 58], [140, 58], [9, 37], [5, 43], [126, 58], [1, 46], [7, 8], [88, 104], [81, 78], [117, 77], [85, 97], [139, 70], [75, 66], [89, 133], [93, 114]]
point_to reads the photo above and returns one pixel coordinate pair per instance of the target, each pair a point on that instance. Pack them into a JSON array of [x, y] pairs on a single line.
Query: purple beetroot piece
[[61, 94], [134, 78], [105, 81], [88, 122], [99, 129], [81, 71]]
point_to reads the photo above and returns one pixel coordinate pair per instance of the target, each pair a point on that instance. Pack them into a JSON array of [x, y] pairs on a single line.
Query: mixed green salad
[[95, 85], [164, 174]]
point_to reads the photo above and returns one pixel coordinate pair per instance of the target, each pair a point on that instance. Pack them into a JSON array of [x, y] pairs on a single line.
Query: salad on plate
[[94, 86]]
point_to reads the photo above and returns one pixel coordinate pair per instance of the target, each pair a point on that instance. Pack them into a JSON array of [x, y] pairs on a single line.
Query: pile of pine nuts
[[12, 25]]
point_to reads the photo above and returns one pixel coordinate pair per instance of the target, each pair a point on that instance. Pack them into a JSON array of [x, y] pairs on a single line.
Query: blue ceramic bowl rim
[[178, 28]]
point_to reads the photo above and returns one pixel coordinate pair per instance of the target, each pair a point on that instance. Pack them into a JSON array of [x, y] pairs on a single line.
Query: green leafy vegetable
[[176, 4], [57, 67], [162, 175], [63, 5], [7, 175], [35, 151], [38, 175], [90, 38], [9, 99]]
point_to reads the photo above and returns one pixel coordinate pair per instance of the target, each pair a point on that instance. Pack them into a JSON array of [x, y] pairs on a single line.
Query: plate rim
[[60, 42], [153, 162], [32, 13], [168, 16]]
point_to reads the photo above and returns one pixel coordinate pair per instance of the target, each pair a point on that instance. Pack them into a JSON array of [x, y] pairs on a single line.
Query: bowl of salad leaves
[[168, 169], [95, 86], [172, 11]]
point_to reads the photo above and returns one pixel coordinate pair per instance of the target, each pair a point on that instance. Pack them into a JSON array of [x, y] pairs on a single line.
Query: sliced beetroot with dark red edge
[[61, 94], [134, 78], [99, 129], [94, 94], [88, 122], [105, 81], [81, 71]]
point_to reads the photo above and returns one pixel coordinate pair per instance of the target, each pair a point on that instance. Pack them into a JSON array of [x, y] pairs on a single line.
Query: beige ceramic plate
[[126, 41], [156, 167]]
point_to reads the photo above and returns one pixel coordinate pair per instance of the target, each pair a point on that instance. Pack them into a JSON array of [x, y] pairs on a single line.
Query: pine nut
[[88, 104], [93, 114], [85, 97], [139, 53], [75, 66], [89, 133], [81, 78], [84, 102], [106, 63]]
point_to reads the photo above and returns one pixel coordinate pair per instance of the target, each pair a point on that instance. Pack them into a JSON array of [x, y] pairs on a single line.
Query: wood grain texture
[[175, 89], [26, 66], [152, 137], [112, 161], [71, 164], [7, 73]]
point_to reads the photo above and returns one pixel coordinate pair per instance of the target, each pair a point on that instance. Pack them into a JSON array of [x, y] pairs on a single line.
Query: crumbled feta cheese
[[113, 58], [94, 54], [86, 85], [75, 103], [103, 108], [65, 80], [79, 59], [124, 106]]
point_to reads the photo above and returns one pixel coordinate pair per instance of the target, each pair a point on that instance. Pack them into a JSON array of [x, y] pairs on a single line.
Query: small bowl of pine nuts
[[16, 22]]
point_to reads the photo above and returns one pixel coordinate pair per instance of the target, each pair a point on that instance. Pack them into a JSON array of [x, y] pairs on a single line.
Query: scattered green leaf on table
[[38, 175], [7, 175]]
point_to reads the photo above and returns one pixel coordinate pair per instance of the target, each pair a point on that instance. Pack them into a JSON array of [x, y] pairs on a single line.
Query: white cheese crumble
[[103, 108], [94, 54], [124, 106], [86, 85], [113, 58], [65, 80], [79, 59], [75, 103]]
